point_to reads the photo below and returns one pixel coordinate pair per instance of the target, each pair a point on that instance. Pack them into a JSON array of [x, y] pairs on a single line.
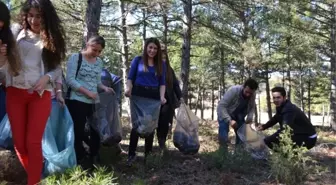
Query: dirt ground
[[173, 168]]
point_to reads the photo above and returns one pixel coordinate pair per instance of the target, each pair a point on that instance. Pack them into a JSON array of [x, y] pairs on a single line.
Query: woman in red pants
[[41, 47]]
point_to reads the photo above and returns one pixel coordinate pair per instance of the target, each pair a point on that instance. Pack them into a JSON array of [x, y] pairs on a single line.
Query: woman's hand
[[92, 95], [163, 100], [41, 83], [108, 90], [128, 92], [60, 99], [3, 49]]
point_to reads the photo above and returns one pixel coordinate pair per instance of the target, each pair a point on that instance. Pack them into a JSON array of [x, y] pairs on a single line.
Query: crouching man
[[232, 109], [304, 133]]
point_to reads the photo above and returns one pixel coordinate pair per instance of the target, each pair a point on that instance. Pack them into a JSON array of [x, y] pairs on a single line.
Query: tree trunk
[[333, 67], [302, 93], [213, 101], [144, 26], [323, 114], [256, 116], [165, 30], [222, 58], [203, 97], [92, 19], [198, 98], [289, 86], [309, 89], [268, 96], [259, 109], [123, 41], [185, 65]]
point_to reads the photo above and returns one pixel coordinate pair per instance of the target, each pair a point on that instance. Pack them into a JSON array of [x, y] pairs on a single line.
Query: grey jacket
[[230, 102]]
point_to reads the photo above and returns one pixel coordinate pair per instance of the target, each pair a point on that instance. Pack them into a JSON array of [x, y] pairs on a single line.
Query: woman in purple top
[[146, 79]]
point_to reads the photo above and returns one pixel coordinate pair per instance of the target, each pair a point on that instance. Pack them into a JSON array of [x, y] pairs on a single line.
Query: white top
[[30, 49]]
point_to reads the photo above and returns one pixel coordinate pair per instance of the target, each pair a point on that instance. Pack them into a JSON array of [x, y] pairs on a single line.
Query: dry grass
[[211, 166]]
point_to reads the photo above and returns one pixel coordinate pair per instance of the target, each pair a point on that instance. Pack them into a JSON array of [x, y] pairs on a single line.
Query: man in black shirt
[[303, 132]]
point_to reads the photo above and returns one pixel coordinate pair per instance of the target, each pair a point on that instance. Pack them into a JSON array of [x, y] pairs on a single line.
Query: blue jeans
[[224, 128]]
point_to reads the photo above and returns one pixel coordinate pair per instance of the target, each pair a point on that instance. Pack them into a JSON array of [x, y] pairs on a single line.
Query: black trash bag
[[186, 131]]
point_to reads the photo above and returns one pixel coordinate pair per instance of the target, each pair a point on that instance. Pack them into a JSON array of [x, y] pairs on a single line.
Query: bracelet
[[50, 77], [59, 90]]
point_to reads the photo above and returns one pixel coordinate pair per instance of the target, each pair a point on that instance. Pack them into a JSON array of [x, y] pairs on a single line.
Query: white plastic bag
[[253, 140], [186, 131]]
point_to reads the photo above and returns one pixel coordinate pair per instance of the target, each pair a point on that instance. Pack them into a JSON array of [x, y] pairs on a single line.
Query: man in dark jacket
[[303, 132]]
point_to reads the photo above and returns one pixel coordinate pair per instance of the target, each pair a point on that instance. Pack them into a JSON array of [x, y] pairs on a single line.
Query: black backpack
[[65, 88]]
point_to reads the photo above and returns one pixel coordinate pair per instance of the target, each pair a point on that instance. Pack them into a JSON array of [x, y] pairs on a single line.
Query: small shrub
[[77, 176], [239, 161], [289, 164]]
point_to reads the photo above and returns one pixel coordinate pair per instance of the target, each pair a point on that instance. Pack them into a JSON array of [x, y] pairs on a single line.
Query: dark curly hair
[[6, 36], [52, 32]]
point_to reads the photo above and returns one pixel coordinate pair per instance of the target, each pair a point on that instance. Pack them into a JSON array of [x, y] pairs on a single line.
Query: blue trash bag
[[58, 141], [106, 120], [144, 115], [2, 102], [6, 140], [185, 136]]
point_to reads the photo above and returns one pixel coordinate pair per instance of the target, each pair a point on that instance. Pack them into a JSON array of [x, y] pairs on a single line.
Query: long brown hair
[[157, 58], [52, 32], [169, 72], [7, 37]]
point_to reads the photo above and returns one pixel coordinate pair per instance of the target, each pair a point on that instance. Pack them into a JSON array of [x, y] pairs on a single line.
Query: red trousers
[[28, 115]]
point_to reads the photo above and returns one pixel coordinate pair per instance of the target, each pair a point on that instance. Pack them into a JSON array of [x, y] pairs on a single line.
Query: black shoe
[[130, 160]]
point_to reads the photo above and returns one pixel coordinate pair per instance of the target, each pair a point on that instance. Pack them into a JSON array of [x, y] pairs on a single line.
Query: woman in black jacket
[[173, 95]]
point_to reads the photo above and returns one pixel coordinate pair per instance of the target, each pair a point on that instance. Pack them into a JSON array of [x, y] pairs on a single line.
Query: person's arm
[[53, 74], [162, 81], [176, 86], [71, 76], [132, 73], [224, 103], [270, 123]]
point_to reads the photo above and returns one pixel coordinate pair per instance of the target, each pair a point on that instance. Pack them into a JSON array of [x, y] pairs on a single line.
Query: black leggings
[[134, 143], [166, 118], [80, 112], [298, 139]]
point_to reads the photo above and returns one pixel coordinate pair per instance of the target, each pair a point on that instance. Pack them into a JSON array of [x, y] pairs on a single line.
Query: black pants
[[79, 112], [134, 143], [166, 118], [298, 139]]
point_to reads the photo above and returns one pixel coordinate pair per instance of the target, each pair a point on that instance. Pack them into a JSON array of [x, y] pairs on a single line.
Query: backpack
[[65, 88]]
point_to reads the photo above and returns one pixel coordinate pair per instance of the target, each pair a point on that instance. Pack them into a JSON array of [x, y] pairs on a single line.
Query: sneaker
[[130, 160]]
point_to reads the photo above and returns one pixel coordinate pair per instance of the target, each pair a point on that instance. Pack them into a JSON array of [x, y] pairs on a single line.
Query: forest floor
[[211, 166]]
